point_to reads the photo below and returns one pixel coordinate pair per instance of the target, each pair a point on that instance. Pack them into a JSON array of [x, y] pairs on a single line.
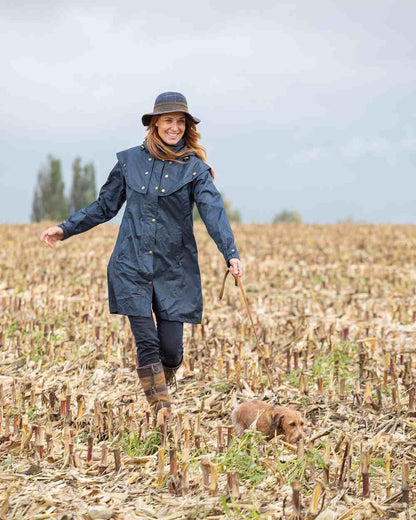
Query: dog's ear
[[277, 421]]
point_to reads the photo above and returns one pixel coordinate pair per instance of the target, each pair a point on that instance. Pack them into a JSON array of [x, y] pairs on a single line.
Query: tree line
[[49, 200]]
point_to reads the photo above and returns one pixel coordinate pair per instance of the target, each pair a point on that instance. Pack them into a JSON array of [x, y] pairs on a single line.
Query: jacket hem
[[183, 319]]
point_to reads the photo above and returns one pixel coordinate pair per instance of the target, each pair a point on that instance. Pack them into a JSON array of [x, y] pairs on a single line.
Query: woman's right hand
[[51, 235]]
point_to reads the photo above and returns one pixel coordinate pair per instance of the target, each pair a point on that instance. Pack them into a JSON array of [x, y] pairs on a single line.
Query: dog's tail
[[238, 427], [234, 416]]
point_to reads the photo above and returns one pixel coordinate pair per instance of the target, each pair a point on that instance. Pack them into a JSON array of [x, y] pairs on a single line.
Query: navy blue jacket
[[155, 247]]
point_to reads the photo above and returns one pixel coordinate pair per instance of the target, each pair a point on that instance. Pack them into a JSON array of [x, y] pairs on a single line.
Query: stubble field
[[335, 310]]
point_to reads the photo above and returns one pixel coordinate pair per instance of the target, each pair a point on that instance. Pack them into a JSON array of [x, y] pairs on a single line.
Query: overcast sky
[[307, 106]]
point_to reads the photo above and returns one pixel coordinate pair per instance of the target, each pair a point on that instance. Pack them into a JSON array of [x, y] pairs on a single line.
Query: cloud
[[354, 149], [359, 147], [308, 155], [409, 144], [278, 88], [378, 147]]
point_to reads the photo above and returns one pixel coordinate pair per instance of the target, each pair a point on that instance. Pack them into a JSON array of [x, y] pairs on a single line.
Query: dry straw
[[333, 310]]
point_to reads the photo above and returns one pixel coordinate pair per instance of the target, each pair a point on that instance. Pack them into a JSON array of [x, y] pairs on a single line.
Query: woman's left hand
[[236, 267]]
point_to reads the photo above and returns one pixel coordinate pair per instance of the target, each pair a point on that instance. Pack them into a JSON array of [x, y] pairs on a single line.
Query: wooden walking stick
[[238, 283]]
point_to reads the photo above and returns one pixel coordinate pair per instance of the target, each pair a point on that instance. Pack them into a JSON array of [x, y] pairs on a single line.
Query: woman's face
[[171, 127]]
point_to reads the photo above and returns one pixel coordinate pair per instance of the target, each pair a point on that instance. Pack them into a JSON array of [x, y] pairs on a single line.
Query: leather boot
[[152, 379], [170, 376]]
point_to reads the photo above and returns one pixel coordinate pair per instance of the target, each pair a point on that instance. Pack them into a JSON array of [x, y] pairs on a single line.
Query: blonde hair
[[162, 151]]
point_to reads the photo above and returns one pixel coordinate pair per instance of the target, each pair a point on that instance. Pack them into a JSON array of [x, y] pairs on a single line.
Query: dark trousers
[[164, 343]]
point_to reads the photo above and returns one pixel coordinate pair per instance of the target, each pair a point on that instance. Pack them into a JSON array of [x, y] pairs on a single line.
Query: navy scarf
[[178, 146]]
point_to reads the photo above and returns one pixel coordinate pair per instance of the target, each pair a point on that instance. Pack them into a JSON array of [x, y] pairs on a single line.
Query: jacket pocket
[[178, 247], [121, 250]]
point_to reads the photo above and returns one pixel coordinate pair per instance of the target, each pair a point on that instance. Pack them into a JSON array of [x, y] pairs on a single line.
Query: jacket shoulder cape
[[135, 163]]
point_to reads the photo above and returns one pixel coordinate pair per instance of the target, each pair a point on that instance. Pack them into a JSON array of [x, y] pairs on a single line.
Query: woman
[[154, 263]]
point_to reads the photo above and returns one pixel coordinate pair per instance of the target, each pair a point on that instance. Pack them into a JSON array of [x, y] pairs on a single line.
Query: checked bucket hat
[[168, 102]]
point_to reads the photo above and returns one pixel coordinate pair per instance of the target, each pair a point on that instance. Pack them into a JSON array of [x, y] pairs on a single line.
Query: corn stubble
[[334, 308]]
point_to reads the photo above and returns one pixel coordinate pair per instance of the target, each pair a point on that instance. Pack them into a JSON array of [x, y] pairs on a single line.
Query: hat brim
[[147, 117]]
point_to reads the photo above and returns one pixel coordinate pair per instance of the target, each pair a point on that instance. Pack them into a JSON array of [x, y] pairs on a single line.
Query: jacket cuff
[[64, 229], [233, 253]]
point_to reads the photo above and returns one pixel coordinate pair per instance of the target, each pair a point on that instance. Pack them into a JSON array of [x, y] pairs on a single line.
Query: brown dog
[[268, 419]]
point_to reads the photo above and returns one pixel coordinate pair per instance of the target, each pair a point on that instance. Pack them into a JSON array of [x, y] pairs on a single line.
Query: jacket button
[[142, 147], [163, 190], [143, 187], [194, 173], [170, 162], [153, 220], [124, 164], [149, 282], [150, 252], [146, 173], [156, 187], [166, 176], [150, 158]]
